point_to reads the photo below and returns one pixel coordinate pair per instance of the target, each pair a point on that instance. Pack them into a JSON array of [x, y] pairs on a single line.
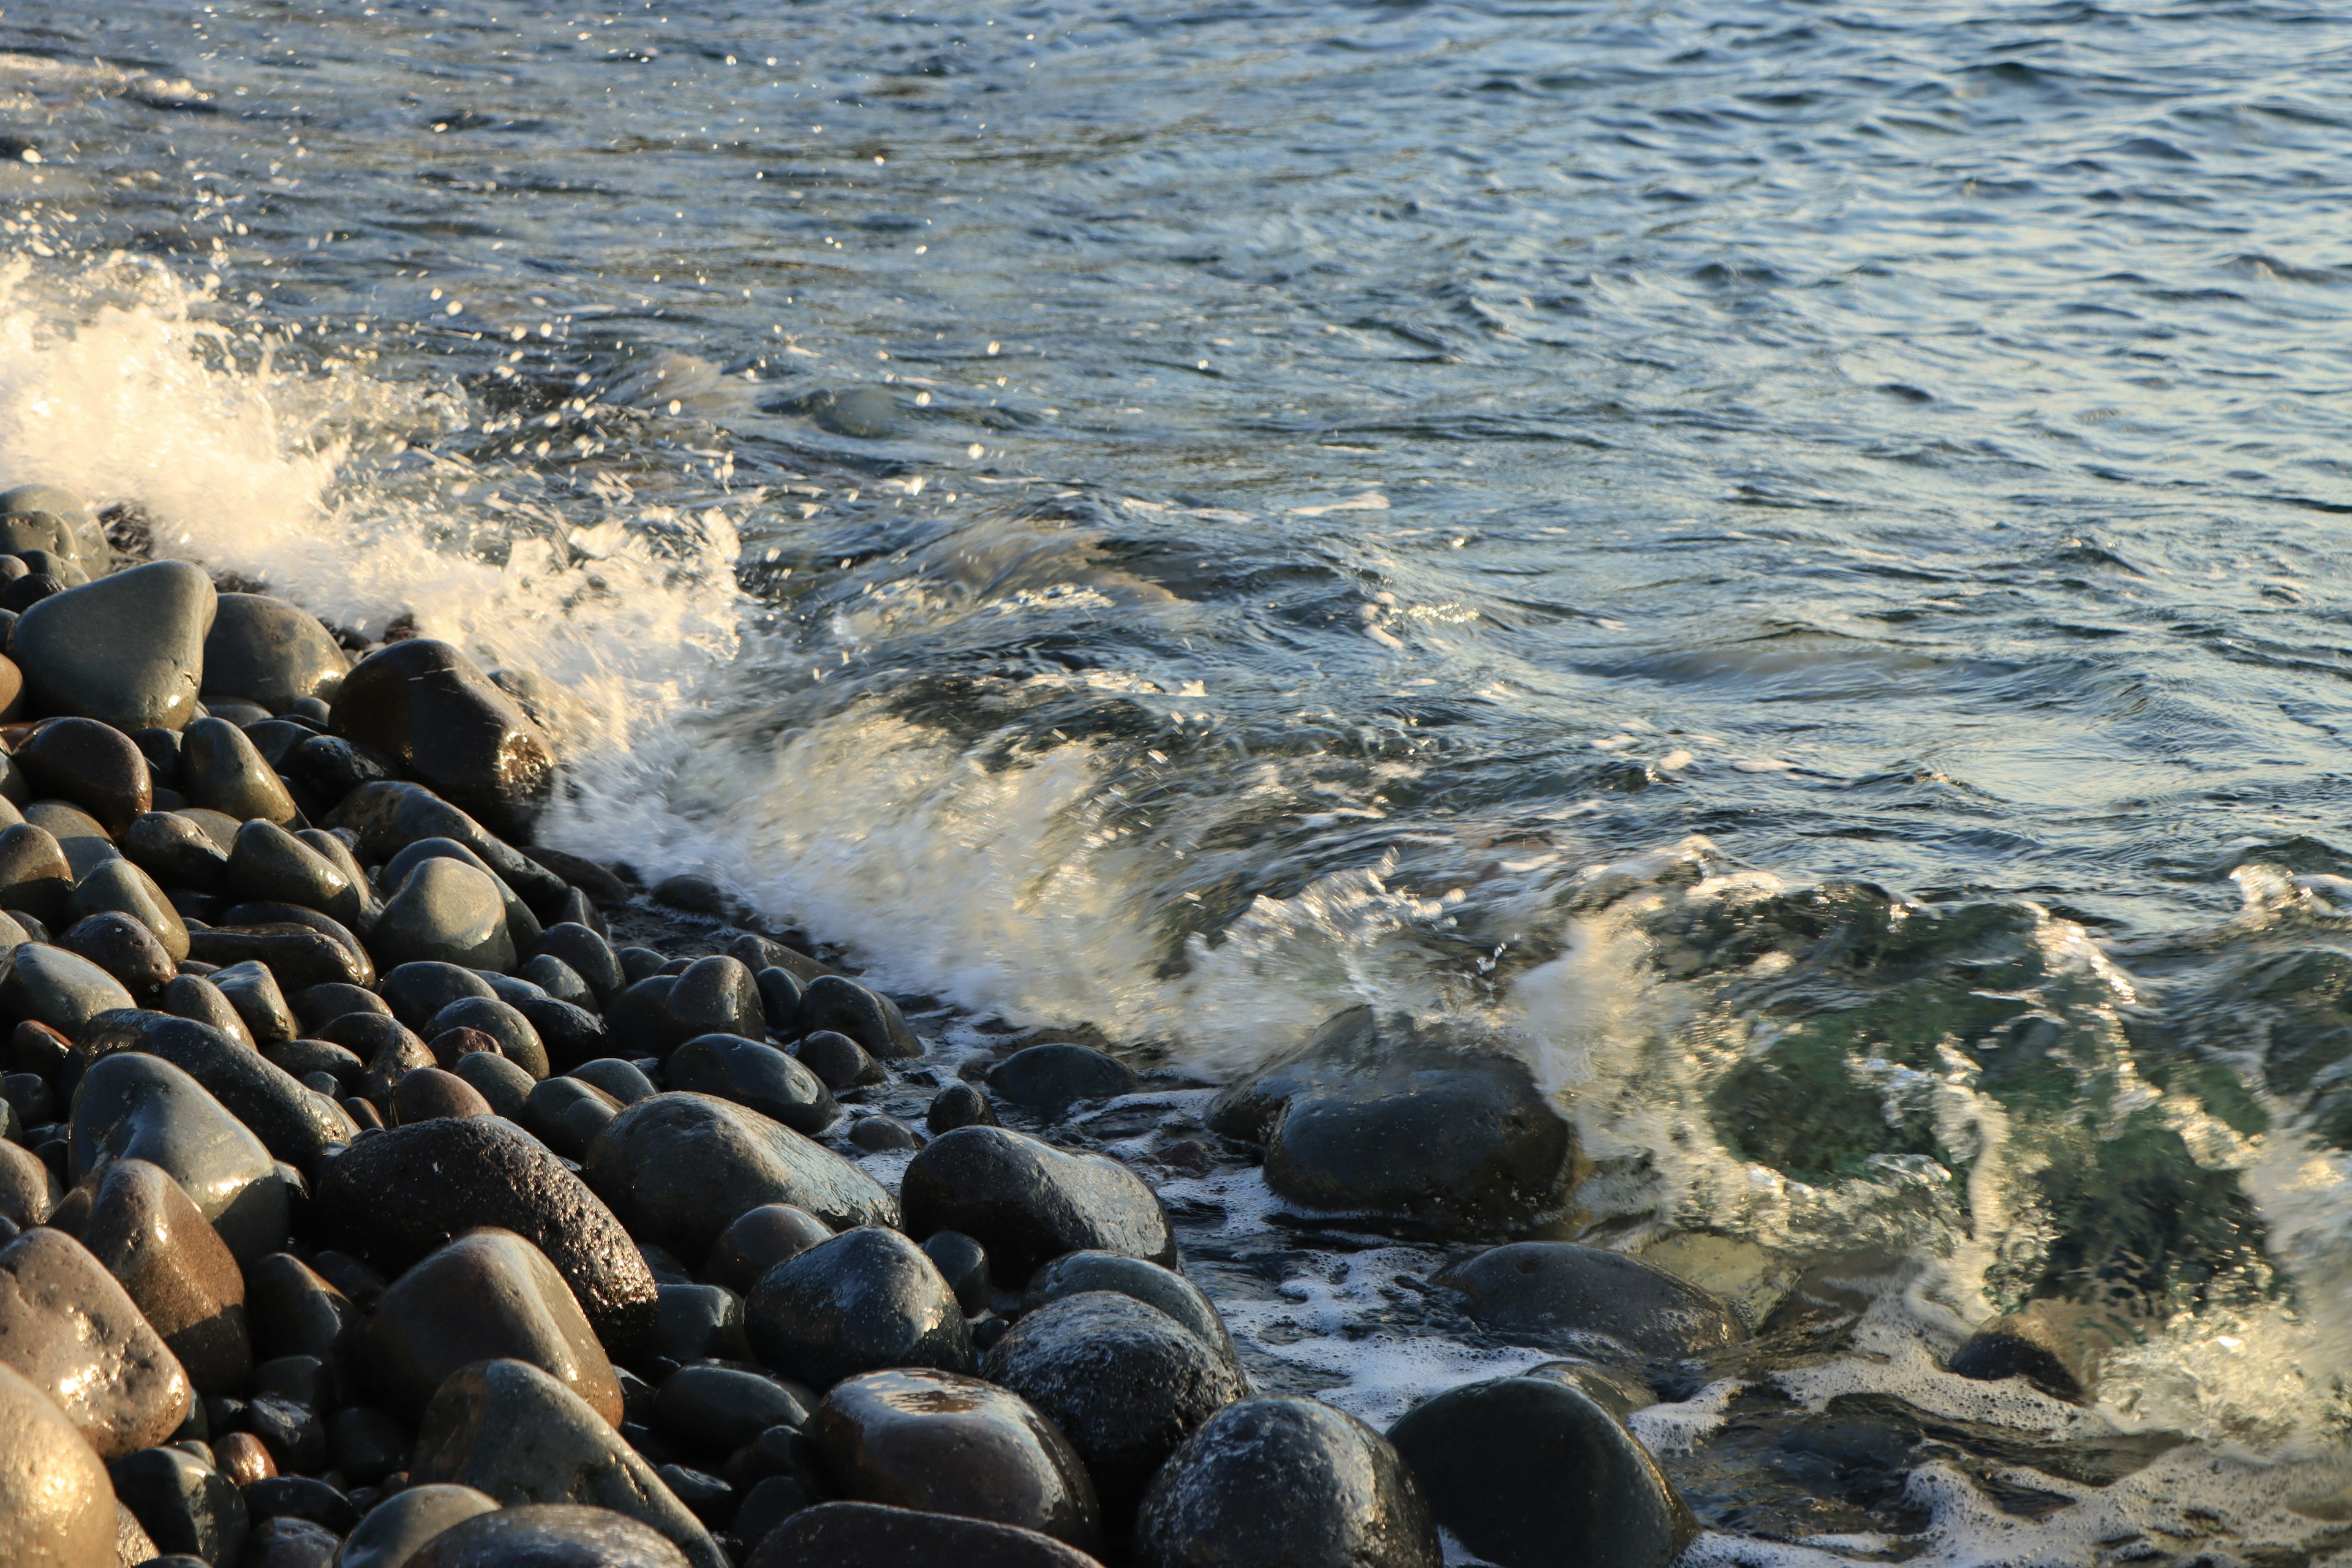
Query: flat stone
[[1028, 1201], [509, 1430], [866, 1300], [1555, 1292], [148, 1234], [76, 1335], [57, 1504], [759, 1240], [836, 1002], [874, 1535], [390, 816], [397, 1527], [269, 652], [1530, 1472], [1280, 1482], [402, 1194], [1052, 1078], [134, 1106], [52, 986], [1073, 1272], [268, 862], [752, 1074], [127, 649], [431, 707], [549, 1535], [1368, 1117], [119, 887], [445, 912], [679, 1168], [221, 771], [96, 766], [923, 1438], [1124, 1381], [486, 1296], [183, 1504]]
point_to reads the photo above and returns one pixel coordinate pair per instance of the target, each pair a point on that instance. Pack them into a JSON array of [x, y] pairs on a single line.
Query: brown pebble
[[450, 1044], [37, 1047], [428, 1093], [362, 1112], [243, 1458]]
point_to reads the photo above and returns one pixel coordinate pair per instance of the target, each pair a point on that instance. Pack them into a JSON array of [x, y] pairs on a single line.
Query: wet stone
[[56, 1503], [127, 649], [391, 1052], [299, 1497], [196, 998], [509, 1430], [177, 852], [879, 1134], [122, 888], [567, 1114], [839, 1062], [1556, 1292], [503, 1084], [132, 1106], [366, 1444], [293, 1310], [223, 772], [754, 1075], [293, 1122], [701, 1322], [126, 950], [679, 1168], [872, 1535], [300, 956], [963, 1264], [1050, 1078], [960, 1104], [620, 1079], [28, 1188], [518, 1040], [571, 1036], [522, 925], [395, 1528], [61, 989], [559, 980], [388, 816], [1028, 1201], [430, 708], [429, 1092], [269, 652], [96, 766], [445, 912], [1164, 1289], [873, 1020], [76, 1335], [718, 1409], [936, 1440], [81, 837], [242, 1456], [551, 1536], [269, 863], [490, 1295], [289, 1542], [417, 991], [1282, 1482], [148, 1234], [866, 1300], [183, 1503], [586, 955], [758, 1240], [35, 876], [401, 1194], [254, 992]]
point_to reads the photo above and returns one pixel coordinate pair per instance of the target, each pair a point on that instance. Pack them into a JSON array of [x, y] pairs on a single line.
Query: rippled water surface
[[1782, 560]]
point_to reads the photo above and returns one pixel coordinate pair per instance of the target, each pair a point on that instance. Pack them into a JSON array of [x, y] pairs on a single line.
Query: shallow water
[[1780, 559]]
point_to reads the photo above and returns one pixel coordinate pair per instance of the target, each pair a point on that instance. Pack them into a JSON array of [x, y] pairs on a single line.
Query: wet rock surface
[[57, 1502], [146, 1232], [550, 1535], [428, 707], [874, 1535], [1028, 1201], [74, 1333], [863, 1301], [1556, 1292]]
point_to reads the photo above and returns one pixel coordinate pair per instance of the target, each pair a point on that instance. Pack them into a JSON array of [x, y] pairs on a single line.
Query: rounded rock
[[56, 1503], [127, 649], [96, 766], [759, 1240], [148, 1235], [866, 1300], [1028, 1201], [1556, 1292], [754, 1075], [428, 706], [445, 912], [548, 1535], [269, 652], [223, 772], [72, 1331], [396, 1528]]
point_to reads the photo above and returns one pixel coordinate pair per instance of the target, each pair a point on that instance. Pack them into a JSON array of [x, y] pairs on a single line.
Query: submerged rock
[[1052, 1078], [1555, 1291]]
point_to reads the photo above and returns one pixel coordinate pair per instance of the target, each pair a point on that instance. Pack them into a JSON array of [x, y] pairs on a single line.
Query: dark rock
[[963, 1264], [882, 1134], [701, 1322], [35, 876], [866, 1300], [680, 1167], [268, 862], [118, 885], [428, 1093], [1028, 1201], [571, 1036], [839, 1062], [183, 1503], [567, 1114], [61, 989], [616, 1077], [293, 1310], [148, 1235], [770, 1502], [640, 963], [366, 1444], [287, 1541], [758, 1240], [299, 1497], [758, 952], [127, 649], [505, 1086], [391, 816], [1529, 1472], [295, 1123], [56, 1503], [586, 954], [401, 1194], [1171, 1292], [1555, 1291], [2030, 1346], [936, 1440], [223, 772], [304, 1380], [717, 1409], [240, 1455], [960, 1104], [1124, 1381], [76, 1335], [706, 1497], [82, 838], [507, 1428], [28, 1189], [328, 767], [750, 1074], [1052, 1078], [488, 1295], [320, 1004], [522, 925], [297, 956], [872, 1020], [696, 895], [397, 1527], [551, 1536], [126, 950], [1284, 1483], [430, 708], [254, 992], [390, 1051], [780, 1001], [445, 912], [517, 1041], [587, 875], [872, 1535], [133, 1106], [1366, 1118], [177, 853], [308, 1060], [269, 652], [96, 766], [292, 1429], [713, 995], [195, 997], [416, 991], [558, 980]]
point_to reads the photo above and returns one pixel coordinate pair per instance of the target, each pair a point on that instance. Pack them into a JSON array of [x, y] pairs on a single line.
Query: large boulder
[[863, 1301], [1368, 1117], [509, 1430], [76, 1335], [1279, 1482], [1027, 1202], [1531, 1472], [429, 707], [402, 1194], [133, 1106], [127, 649], [151, 1236], [1555, 1292], [679, 1168], [57, 1505], [488, 1295], [265, 652], [936, 1440]]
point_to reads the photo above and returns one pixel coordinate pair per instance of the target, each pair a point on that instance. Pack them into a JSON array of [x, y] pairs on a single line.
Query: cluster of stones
[[363, 1204]]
